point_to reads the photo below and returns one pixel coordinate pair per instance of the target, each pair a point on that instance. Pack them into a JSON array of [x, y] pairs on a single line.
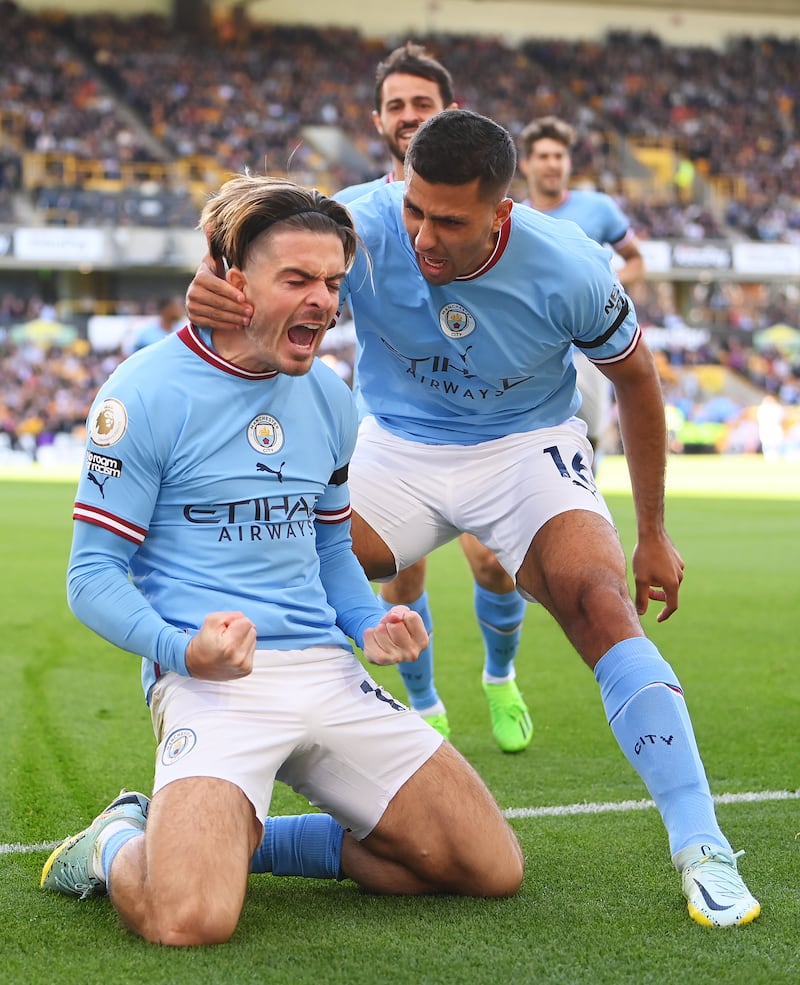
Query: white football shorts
[[313, 719], [417, 496]]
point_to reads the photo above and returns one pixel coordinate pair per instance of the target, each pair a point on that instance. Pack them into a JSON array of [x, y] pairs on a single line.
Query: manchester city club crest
[[265, 434], [455, 321], [177, 745]]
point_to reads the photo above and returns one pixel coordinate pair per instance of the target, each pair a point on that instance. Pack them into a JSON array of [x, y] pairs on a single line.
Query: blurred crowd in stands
[[45, 395], [46, 389], [112, 121], [119, 92]]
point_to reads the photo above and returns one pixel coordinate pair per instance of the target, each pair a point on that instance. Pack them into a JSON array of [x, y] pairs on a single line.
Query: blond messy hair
[[249, 205]]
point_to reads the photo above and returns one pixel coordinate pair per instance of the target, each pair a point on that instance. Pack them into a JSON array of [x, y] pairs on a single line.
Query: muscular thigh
[[200, 836], [445, 790], [576, 568]]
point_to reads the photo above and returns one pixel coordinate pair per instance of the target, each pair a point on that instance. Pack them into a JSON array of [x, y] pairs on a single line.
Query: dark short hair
[[457, 146], [549, 127], [413, 59], [248, 205]]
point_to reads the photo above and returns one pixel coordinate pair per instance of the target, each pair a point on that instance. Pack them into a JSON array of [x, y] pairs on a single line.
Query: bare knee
[[492, 576], [506, 874], [192, 923], [597, 617]]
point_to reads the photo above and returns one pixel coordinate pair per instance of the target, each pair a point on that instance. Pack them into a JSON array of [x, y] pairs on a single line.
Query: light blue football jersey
[[596, 213], [490, 353], [216, 489], [346, 196], [352, 192]]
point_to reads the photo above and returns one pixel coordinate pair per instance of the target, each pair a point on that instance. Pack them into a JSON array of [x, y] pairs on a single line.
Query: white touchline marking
[[16, 848], [565, 810], [623, 806]]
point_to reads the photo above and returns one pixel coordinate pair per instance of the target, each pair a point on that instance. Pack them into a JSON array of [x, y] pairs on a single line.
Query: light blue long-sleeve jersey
[[209, 488]]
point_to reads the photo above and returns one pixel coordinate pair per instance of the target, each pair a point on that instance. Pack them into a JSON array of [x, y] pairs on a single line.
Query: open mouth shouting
[[304, 336]]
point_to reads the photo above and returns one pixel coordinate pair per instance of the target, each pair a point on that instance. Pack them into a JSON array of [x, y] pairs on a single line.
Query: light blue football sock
[[418, 674], [645, 708], [300, 845], [500, 620], [113, 844]]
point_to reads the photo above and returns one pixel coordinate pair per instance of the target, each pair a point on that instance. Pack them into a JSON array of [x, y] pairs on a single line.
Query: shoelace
[[72, 878], [728, 877]]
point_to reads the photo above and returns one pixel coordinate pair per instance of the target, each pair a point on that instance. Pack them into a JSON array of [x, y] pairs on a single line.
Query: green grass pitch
[[600, 903]]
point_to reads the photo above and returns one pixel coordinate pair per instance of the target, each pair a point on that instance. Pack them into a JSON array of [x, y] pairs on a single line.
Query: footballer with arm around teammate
[[466, 331], [410, 88]]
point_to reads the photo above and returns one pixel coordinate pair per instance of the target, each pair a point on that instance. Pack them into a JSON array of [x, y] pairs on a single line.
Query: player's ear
[[502, 212], [237, 278], [376, 119]]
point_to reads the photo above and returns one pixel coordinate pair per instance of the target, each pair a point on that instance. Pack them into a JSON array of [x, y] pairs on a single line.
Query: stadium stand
[[97, 107], [129, 122]]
